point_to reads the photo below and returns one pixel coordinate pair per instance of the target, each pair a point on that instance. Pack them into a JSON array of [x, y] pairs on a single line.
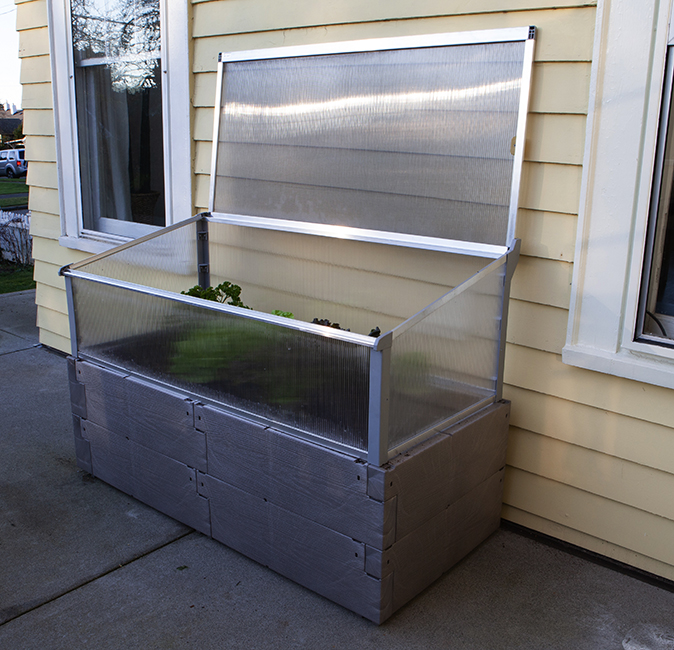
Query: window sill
[[99, 244], [640, 364]]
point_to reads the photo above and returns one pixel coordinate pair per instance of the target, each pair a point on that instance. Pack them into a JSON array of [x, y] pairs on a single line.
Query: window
[[621, 265], [656, 307], [121, 79]]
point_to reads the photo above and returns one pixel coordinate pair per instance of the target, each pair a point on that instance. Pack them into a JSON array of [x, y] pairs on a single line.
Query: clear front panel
[[447, 362], [311, 383]]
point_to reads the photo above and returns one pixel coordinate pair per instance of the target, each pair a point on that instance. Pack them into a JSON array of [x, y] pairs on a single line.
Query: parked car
[[13, 162]]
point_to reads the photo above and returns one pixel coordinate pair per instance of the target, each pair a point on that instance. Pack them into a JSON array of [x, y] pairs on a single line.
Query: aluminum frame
[[525, 34]]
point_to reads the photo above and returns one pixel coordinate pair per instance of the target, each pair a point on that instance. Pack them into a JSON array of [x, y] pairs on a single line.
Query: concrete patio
[[86, 566]]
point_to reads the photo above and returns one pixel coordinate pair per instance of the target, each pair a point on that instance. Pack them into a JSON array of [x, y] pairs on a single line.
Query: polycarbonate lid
[[413, 140]]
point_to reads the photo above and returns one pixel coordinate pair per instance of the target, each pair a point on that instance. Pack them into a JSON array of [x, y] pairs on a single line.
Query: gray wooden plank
[[308, 479], [327, 562], [329, 488], [72, 369], [421, 557], [163, 420], [169, 486], [478, 448], [78, 400], [82, 447], [418, 559], [474, 517], [105, 392], [110, 456], [239, 519], [433, 475], [308, 553], [237, 449]]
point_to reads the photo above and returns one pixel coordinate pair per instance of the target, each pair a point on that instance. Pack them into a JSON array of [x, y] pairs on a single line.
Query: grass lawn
[[13, 203], [15, 278], [12, 185]]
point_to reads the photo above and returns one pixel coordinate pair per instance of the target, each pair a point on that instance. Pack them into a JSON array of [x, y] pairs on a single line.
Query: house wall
[[591, 456], [38, 127]]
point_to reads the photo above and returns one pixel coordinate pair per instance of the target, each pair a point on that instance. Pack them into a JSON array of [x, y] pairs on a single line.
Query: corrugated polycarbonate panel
[[413, 141], [167, 261], [315, 384], [447, 362]]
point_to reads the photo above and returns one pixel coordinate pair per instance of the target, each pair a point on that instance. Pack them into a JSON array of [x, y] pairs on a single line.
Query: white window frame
[[175, 69], [626, 89]]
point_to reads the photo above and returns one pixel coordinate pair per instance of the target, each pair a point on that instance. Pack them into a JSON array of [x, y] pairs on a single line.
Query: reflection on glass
[[367, 139], [116, 47], [127, 31]]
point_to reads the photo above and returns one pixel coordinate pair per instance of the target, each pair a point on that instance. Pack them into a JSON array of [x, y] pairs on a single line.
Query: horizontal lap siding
[[38, 128]]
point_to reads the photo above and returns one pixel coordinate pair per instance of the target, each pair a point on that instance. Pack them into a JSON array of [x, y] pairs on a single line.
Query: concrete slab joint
[[369, 538]]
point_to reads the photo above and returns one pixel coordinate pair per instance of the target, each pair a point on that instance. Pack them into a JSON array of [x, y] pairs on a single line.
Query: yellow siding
[[555, 138], [38, 122], [35, 70], [49, 274], [594, 515], [43, 174], [591, 458], [53, 340], [594, 428], [628, 483], [54, 322], [560, 87], [36, 96], [537, 326], [593, 544], [555, 188], [32, 15], [33, 42], [547, 282], [40, 148], [51, 298], [547, 234], [545, 373], [45, 225], [570, 29], [44, 200]]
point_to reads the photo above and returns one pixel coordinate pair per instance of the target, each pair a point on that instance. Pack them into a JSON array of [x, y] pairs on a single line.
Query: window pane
[[119, 112], [115, 28]]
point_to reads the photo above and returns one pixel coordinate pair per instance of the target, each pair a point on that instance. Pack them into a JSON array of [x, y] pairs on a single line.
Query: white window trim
[[628, 68], [176, 124]]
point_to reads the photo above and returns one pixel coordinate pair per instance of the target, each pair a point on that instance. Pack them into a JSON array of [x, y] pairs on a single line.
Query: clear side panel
[[448, 361], [315, 384], [368, 139], [167, 261]]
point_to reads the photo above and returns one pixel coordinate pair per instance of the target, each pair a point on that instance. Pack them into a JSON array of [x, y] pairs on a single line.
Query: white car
[[13, 162]]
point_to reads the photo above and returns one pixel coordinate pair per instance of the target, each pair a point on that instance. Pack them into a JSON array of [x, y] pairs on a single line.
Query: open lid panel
[[415, 141]]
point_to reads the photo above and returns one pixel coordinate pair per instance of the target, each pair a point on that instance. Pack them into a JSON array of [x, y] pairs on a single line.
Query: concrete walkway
[[85, 566]]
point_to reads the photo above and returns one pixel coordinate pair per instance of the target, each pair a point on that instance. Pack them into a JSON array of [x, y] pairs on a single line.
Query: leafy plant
[[226, 293], [230, 294], [285, 314], [326, 323]]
